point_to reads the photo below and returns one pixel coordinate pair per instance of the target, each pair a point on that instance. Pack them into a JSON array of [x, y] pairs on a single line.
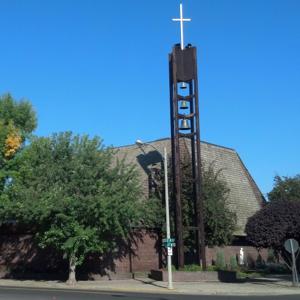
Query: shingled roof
[[244, 197]]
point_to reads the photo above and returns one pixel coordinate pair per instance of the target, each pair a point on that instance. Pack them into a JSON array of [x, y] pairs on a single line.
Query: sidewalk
[[261, 286]]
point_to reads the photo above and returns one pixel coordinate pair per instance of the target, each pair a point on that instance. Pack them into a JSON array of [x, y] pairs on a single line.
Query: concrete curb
[[93, 289], [205, 289]]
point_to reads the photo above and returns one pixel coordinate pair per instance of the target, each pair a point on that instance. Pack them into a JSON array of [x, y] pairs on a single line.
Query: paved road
[[44, 294]]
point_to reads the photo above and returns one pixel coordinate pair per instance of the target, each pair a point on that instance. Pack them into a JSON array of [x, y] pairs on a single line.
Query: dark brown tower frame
[[183, 69]]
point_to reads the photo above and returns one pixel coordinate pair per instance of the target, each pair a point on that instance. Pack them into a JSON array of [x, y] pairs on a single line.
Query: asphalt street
[[44, 294]]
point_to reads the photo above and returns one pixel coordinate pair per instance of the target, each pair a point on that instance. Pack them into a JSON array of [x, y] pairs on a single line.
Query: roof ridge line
[[164, 139]]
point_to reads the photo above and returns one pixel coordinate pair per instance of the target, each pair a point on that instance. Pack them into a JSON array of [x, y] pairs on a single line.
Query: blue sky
[[101, 68]]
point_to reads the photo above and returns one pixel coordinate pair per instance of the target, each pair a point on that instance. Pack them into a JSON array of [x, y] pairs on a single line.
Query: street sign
[[168, 243], [171, 240], [291, 245]]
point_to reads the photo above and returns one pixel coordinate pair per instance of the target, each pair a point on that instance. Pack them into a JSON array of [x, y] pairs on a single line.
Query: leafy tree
[[17, 121], [285, 188], [219, 221], [76, 199], [274, 224], [20, 113]]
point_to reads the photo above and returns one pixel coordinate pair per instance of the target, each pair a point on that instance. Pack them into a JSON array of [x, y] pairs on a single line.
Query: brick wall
[[21, 257], [144, 255], [251, 254]]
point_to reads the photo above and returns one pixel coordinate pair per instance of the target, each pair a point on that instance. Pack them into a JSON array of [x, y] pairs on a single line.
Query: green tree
[[285, 189], [20, 113], [17, 121], [78, 201], [219, 221]]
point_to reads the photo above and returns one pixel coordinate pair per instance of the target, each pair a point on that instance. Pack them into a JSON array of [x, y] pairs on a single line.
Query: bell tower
[[185, 127]]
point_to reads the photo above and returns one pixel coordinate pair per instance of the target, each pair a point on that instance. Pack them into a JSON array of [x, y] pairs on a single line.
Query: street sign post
[[292, 246], [170, 251], [169, 243]]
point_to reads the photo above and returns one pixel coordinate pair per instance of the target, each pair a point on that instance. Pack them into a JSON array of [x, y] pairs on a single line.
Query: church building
[[244, 197]]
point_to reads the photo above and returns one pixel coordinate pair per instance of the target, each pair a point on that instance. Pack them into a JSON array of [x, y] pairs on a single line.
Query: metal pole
[[170, 281], [165, 161], [176, 167], [294, 268]]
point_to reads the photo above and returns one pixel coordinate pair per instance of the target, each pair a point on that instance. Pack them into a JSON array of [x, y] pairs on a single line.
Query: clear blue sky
[[101, 67]]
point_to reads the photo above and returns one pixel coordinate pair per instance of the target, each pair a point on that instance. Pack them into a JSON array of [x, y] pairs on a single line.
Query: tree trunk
[[72, 271]]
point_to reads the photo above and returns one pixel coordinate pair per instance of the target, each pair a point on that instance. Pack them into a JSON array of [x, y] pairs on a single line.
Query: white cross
[[181, 20]]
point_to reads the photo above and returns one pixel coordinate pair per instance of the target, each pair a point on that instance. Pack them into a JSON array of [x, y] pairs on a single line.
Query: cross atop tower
[[181, 20]]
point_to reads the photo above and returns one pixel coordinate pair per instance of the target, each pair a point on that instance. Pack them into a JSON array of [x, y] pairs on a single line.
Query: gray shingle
[[244, 198]]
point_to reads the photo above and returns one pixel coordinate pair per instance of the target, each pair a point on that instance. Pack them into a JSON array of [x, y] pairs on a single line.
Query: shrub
[[233, 263], [220, 261], [192, 268], [271, 256], [273, 225]]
